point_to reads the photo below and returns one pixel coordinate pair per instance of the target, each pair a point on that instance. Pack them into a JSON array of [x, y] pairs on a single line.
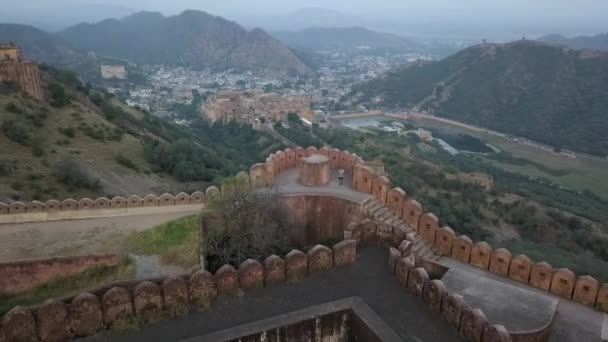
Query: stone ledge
[[377, 328]]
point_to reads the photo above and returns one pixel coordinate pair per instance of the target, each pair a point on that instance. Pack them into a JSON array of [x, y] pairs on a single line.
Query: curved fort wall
[[397, 220], [444, 240], [319, 216], [118, 303], [447, 243]]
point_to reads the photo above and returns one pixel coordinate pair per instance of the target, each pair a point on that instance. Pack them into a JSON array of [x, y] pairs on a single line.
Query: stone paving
[[287, 184], [520, 307], [368, 279]]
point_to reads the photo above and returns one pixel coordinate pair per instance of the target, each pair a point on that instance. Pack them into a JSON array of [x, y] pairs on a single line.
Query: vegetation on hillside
[[543, 92], [530, 216], [176, 242]]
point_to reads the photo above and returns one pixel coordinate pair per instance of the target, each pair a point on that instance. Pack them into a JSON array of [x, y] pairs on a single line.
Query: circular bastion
[[315, 170]]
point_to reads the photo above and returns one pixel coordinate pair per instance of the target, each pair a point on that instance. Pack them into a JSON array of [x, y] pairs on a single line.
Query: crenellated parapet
[[120, 303], [18, 212]]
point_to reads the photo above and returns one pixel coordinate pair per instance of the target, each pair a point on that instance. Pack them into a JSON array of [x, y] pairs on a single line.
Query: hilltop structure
[[113, 71], [392, 256], [13, 68], [247, 106]]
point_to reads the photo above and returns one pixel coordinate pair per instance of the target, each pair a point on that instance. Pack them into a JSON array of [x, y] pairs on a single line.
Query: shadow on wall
[[121, 302]]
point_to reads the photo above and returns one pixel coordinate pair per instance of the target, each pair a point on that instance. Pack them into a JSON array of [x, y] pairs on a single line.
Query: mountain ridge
[[191, 38], [554, 95], [352, 37], [595, 42]]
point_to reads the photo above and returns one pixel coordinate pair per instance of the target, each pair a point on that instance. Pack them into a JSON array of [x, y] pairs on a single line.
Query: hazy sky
[[572, 16]]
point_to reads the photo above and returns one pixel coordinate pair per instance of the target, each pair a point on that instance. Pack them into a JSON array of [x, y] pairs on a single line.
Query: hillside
[[44, 47], [192, 38], [546, 93], [84, 142], [344, 38], [597, 42]]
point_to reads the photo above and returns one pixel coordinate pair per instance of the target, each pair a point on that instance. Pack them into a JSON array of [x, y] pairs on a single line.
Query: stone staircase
[[381, 214]]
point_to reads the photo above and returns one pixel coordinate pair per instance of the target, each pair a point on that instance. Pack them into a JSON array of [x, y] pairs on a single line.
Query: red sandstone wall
[[26, 75], [90, 312], [317, 218], [19, 276]]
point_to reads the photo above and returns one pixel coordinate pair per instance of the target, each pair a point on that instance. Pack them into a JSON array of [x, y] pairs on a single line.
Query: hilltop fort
[[14, 68], [396, 272], [248, 106]]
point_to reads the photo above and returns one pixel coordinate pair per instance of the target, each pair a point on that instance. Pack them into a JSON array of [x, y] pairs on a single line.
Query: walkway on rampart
[[287, 184], [521, 307], [74, 237], [368, 278]]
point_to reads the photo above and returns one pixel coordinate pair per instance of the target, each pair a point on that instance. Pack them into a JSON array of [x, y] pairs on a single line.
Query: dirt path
[[74, 237]]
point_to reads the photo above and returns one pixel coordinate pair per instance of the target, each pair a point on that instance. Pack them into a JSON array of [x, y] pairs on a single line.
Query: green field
[[582, 173]]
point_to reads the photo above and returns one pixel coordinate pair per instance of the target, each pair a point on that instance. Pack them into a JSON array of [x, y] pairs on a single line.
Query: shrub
[[126, 162], [74, 176], [69, 132], [8, 87], [94, 133], [13, 108], [38, 147], [7, 167], [37, 120], [58, 96], [16, 131]]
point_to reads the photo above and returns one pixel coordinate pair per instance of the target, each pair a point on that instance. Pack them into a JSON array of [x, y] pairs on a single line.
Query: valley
[[168, 163]]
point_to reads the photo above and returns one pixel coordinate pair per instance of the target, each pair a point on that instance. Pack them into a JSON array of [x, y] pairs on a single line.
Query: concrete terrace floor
[[520, 307], [287, 184], [368, 279]]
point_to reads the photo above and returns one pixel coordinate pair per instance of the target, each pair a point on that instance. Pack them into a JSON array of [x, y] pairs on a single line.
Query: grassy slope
[[176, 242], [33, 177], [70, 285]]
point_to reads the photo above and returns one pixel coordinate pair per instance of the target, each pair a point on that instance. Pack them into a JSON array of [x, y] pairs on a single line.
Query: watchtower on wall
[[10, 53], [13, 68]]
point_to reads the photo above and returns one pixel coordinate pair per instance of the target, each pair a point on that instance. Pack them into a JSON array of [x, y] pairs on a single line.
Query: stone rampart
[[23, 275], [144, 301], [396, 219], [446, 242], [70, 209]]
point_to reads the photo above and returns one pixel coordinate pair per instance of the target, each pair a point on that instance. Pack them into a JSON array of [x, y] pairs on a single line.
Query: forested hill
[[192, 38], [597, 42], [84, 142], [45, 47], [543, 92]]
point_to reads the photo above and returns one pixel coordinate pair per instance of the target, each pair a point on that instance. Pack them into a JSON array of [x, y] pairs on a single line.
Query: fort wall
[[23, 275], [70, 209], [417, 234], [26, 75], [112, 304], [316, 219]]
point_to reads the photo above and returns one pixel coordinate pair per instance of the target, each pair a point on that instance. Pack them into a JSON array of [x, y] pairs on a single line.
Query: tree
[[293, 119], [243, 223]]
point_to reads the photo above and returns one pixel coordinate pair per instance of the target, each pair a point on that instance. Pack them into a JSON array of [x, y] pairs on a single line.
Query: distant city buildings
[[246, 106], [169, 86], [113, 71]]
